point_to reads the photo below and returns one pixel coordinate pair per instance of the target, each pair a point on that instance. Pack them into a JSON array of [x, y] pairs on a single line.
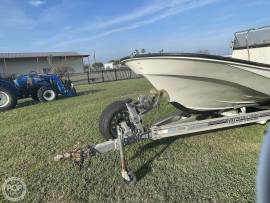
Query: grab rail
[[259, 28], [248, 31], [247, 44]]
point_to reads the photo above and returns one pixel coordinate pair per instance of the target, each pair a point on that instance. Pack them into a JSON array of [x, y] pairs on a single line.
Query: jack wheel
[[132, 177]]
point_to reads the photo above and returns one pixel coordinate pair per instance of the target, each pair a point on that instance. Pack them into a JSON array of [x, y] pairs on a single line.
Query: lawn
[[217, 166]]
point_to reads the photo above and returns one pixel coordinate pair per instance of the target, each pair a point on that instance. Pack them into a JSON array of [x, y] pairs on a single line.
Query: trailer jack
[[79, 155], [128, 176]]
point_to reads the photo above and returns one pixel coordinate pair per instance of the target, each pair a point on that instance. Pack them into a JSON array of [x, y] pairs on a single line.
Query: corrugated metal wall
[[25, 65]]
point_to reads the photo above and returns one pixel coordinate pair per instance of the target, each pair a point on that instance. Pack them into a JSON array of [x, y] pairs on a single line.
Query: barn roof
[[40, 55]]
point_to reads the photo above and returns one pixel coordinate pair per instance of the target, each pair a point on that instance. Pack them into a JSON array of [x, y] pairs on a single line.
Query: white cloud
[[152, 8], [157, 13], [152, 12], [37, 2], [13, 17]]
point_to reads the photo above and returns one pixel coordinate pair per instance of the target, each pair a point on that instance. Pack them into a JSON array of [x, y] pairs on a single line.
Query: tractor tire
[[8, 99], [46, 94], [112, 116]]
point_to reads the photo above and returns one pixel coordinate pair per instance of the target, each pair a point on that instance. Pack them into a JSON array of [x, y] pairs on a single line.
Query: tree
[[63, 70], [136, 52], [98, 65], [86, 68], [142, 51], [115, 62]]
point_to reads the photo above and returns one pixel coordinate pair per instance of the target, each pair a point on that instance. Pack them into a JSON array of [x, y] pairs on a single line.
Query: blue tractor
[[43, 88]]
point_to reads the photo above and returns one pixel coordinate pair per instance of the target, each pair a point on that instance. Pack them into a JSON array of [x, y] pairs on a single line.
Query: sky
[[115, 28]]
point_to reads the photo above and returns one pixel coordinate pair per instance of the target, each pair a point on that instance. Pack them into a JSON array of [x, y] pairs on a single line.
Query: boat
[[203, 82]]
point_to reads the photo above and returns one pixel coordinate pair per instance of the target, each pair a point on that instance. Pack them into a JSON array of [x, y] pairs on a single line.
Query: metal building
[[41, 62]]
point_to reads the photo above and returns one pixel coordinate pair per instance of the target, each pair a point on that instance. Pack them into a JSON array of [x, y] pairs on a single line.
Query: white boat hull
[[205, 84]]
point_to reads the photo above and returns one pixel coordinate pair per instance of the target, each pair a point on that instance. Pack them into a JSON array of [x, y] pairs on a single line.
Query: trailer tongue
[[176, 125]]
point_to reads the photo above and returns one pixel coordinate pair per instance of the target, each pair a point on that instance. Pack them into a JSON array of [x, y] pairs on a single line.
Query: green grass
[[218, 166]]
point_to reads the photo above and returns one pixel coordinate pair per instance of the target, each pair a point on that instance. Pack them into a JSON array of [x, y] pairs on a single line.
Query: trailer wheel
[[8, 99], [112, 116], [46, 94]]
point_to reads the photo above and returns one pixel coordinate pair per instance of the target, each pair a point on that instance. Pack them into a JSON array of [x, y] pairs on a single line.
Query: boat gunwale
[[193, 56]]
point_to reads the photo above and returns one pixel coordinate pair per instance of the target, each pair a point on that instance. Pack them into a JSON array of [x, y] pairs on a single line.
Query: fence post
[[102, 75], [88, 77], [115, 74]]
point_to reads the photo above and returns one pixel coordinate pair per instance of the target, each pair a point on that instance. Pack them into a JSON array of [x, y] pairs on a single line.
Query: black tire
[[46, 94], [8, 99], [113, 114]]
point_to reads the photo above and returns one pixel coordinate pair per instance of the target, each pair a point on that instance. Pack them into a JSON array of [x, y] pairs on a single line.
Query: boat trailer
[[175, 125]]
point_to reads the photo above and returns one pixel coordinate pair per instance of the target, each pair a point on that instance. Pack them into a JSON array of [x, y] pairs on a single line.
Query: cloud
[[152, 12], [152, 8], [149, 9], [37, 2], [13, 17], [157, 13]]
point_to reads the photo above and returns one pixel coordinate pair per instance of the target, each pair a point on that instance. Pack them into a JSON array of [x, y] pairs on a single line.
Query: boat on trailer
[[212, 92], [203, 82]]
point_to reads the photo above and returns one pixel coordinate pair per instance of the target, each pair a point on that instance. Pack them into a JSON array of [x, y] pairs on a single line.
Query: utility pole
[[94, 55]]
